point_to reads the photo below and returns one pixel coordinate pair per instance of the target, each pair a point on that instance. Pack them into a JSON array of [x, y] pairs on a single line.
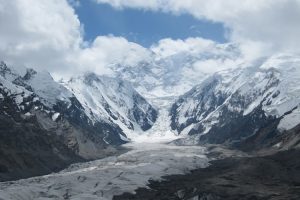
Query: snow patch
[[290, 121], [28, 114], [55, 116]]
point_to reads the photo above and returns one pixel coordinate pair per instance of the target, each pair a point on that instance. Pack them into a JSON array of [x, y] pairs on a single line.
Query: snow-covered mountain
[[113, 101], [84, 122], [259, 101], [54, 100], [26, 147], [161, 77], [90, 100], [251, 106]]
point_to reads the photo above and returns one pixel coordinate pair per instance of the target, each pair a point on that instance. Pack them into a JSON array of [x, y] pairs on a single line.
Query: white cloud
[[107, 50], [38, 33], [167, 47], [201, 55], [268, 26], [46, 34], [209, 66]]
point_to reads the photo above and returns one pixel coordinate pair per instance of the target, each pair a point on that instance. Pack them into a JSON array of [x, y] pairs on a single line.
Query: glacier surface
[[102, 179]]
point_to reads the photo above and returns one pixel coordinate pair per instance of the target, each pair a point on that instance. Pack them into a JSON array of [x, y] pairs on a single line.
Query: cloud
[[267, 26], [212, 65], [47, 35], [109, 50], [199, 54], [167, 47], [37, 32], [74, 3]]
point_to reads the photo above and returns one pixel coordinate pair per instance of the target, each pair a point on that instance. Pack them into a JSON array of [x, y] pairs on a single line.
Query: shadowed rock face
[[236, 128], [272, 177], [28, 150]]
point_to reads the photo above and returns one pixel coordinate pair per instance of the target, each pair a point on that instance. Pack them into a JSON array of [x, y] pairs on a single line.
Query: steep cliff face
[[113, 101], [233, 105]]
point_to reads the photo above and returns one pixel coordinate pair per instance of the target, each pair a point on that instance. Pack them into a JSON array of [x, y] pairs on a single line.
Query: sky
[[143, 27], [67, 37]]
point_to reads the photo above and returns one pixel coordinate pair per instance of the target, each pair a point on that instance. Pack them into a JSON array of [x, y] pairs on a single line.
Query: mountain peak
[[29, 74]]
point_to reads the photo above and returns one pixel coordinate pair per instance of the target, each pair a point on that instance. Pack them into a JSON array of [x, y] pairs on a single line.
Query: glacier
[[114, 175]]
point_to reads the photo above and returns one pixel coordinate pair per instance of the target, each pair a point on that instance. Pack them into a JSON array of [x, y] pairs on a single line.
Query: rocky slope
[[257, 103], [27, 149]]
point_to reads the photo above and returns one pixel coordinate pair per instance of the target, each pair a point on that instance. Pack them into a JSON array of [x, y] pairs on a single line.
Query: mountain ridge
[[235, 104]]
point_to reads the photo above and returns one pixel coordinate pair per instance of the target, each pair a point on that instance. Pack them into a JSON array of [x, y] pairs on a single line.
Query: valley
[[110, 139], [149, 100]]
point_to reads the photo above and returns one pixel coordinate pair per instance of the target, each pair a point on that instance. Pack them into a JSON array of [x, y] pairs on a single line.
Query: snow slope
[[17, 92], [114, 101], [46, 88]]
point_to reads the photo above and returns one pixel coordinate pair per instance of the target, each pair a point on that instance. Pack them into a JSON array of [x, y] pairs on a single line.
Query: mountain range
[[252, 106]]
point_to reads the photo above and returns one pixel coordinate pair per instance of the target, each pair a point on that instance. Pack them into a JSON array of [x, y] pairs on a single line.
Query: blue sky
[[143, 27]]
